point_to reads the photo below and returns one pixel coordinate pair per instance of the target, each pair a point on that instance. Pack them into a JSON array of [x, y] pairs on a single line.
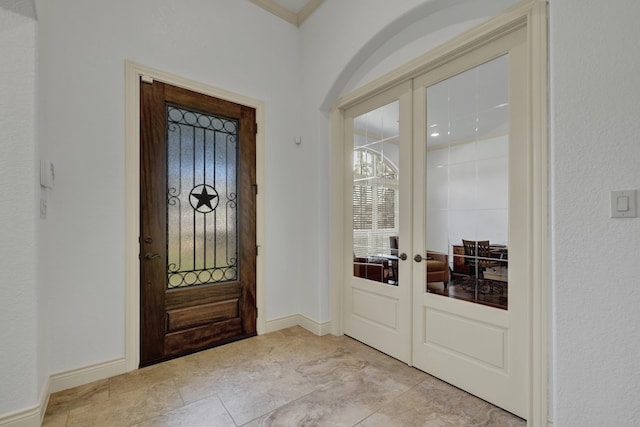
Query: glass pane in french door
[[375, 194], [467, 185]]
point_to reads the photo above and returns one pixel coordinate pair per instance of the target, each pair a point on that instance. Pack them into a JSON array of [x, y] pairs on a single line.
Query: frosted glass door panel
[[202, 198]]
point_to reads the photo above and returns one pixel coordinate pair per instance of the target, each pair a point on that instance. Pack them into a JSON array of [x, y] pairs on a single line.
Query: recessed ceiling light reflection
[[435, 134]]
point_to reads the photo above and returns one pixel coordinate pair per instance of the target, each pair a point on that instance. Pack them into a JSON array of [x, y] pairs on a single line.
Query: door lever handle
[[403, 256], [417, 258], [151, 256]]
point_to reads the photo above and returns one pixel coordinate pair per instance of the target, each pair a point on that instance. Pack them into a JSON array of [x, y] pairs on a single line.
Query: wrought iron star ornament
[[205, 199]]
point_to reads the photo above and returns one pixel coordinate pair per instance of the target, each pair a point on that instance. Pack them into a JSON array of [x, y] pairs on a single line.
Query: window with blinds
[[375, 202]]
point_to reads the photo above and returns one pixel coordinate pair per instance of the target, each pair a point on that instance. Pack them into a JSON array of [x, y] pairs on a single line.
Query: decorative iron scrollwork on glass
[[202, 240]]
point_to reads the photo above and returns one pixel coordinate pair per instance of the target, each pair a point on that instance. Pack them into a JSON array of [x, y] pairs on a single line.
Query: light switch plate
[[623, 204]]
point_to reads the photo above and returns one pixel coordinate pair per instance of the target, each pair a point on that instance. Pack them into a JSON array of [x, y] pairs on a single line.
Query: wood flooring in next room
[[486, 292], [286, 378]]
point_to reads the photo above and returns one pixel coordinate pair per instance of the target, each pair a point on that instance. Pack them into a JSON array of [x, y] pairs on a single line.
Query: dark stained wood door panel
[[183, 310]]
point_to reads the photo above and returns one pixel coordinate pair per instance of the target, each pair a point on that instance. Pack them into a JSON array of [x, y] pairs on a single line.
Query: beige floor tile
[[358, 388], [285, 378], [204, 413], [65, 400], [56, 420], [202, 379], [335, 404], [260, 387], [430, 403], [126, 409], [141, 378], [490, 416]]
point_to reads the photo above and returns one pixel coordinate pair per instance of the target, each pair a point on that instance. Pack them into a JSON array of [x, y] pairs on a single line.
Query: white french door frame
[[532, 15]]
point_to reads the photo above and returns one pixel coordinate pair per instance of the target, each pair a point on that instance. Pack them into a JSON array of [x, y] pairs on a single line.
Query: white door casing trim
[[533, 15], [133, 73]]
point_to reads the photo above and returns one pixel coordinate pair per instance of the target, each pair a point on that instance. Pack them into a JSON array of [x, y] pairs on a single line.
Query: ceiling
[[293, 11], [22, 7], [469, 106]]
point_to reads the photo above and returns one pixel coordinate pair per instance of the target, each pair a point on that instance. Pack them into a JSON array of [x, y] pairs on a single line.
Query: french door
[[378, 190], [438, 188]]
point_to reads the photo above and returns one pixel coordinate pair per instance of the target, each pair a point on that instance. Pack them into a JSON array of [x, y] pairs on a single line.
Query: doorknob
[[403, 256], [151, 256], [417, 258]]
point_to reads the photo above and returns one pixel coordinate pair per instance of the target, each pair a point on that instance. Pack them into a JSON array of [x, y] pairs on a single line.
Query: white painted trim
[[336, 214], [278, 10], [282, 12], [298, 320], [133, 72], [538, 70], [29, 417], [45, 393], [307, 10], [34, 415], [313, 326], [533, 14], [465, 42], [88, 374]]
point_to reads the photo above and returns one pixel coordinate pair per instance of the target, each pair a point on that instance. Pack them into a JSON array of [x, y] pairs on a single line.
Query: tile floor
[[285, 378]]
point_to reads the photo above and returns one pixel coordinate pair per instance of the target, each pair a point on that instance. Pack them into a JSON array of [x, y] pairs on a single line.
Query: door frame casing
[[133, 74], [533, 15]]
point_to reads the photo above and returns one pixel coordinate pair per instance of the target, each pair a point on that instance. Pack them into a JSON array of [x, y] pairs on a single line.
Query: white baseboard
[[29, 417], [86, 375], [32, 416], [298, 320]]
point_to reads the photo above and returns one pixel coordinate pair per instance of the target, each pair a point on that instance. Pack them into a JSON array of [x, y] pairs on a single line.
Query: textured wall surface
[[595, 88], [594, 101], [18, 300], [81, 57]]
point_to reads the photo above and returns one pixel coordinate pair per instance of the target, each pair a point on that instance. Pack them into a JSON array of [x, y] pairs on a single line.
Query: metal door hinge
[[257, 250], [255, 188], [256, 128]]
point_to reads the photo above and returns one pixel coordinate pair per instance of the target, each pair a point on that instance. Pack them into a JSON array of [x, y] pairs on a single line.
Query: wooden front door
[[197, 222]]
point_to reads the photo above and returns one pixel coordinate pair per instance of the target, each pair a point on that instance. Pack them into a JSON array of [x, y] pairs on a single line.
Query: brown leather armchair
[[437, 267]]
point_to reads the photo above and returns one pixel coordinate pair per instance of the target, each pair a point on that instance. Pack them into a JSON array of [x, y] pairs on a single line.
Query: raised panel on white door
[[371, 306], [467, 338], [470, 154]]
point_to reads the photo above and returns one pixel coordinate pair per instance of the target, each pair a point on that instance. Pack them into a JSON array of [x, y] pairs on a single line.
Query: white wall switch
[[623, 204]]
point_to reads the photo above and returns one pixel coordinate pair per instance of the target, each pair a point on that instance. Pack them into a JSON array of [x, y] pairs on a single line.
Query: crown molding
[[294, 18], [307, 10]]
